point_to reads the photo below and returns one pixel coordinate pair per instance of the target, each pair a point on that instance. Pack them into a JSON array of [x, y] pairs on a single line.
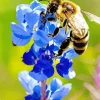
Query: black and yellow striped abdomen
[[80, 44]]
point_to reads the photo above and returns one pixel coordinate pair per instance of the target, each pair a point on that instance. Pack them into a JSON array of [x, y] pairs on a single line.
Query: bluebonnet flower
[[64, 68], [43, 69], [54, 91], [30, 56], [20, 36], [35, 52], [42, 58], [29, 18], [70, 53], [31, 24]]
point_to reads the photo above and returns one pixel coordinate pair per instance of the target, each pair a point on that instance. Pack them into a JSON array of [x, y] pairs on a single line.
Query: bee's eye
[[69, 8]]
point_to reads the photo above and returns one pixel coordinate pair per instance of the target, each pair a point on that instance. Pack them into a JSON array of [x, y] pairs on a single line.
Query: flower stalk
[[43, 90]]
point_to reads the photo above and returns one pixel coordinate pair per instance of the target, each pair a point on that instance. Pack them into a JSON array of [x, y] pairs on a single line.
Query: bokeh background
[[10, 57]]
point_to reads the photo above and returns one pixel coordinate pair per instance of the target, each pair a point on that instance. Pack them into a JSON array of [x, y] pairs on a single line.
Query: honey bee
[[71, 15]]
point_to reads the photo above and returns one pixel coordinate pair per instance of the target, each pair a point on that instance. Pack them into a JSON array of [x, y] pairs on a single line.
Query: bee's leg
[[55, 32], [42, 14], [59, 53], [71, 36], [65, 24], [63, 47], [51, 19]]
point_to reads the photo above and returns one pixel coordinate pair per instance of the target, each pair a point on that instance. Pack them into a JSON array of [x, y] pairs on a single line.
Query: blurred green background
[[10, 57]]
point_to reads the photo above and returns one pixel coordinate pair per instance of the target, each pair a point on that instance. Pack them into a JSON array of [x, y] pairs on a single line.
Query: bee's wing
[[79, 21], [92, 17]]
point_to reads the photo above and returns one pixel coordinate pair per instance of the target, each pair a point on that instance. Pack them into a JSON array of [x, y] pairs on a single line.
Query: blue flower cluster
[[31, 25], [54, 91], [41, 53]]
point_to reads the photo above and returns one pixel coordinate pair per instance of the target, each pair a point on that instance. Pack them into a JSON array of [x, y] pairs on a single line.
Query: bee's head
[[69, 7], [53, 6]]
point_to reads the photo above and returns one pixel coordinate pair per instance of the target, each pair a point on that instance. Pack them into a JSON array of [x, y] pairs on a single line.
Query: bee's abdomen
[[79, 51], [81, 45]]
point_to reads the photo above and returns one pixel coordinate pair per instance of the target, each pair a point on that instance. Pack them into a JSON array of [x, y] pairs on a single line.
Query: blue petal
[[20, 16], [53, 46], [42, 70], [71, 74], [19, 35], [70, 53], [21, 10], [51, 28], [35, 50], [42, 7], [66, 61], [41, 39], [43, 35], [34, 4], [55, 84], [17, 40], [38, 76], [28, 82], [49, 72], [37, 90], [63, 68], [61, 36], [32, 18], [34, 96], [61, 93], [40, 43], [29, 58], [48, 93], [29, 97]]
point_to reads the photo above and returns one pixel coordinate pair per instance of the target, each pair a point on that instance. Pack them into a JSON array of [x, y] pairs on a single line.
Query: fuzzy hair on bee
[[67, 7], [53, 6], [70, 14]]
